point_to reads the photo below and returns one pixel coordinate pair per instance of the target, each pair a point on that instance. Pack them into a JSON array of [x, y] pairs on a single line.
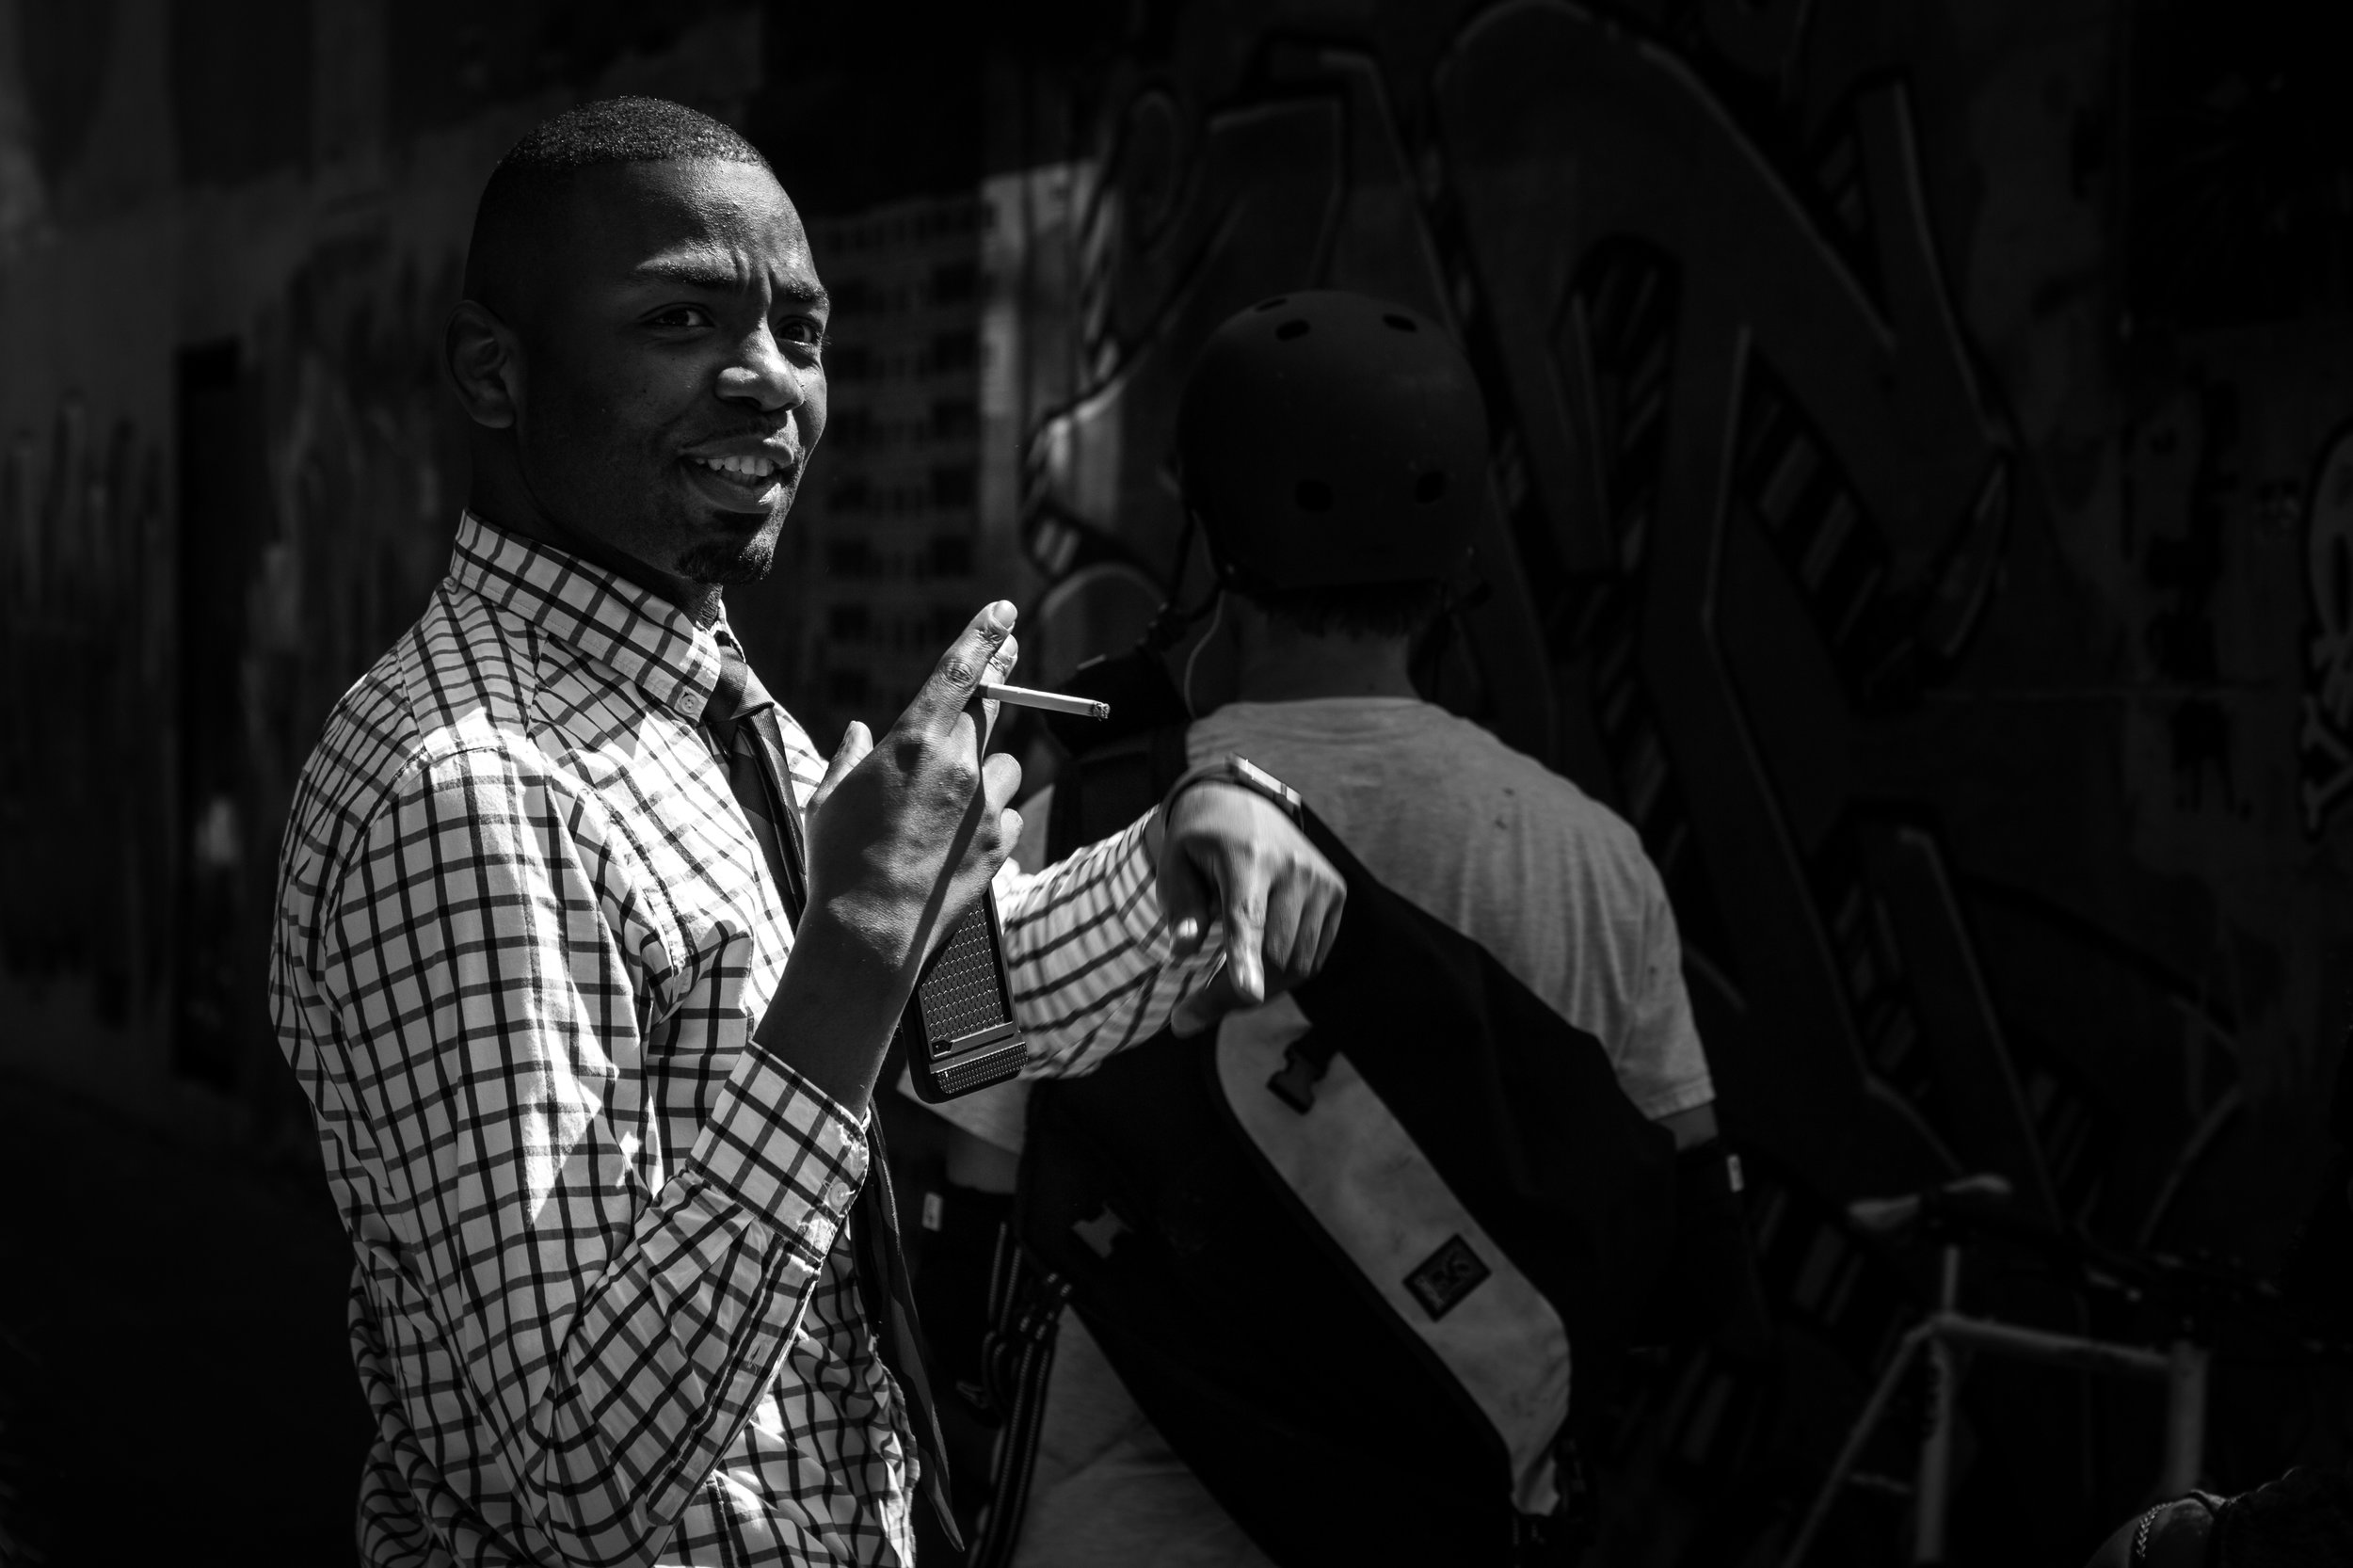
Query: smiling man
[[587, 962]]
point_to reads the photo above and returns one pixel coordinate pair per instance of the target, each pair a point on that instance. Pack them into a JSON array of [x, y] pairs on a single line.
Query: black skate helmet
[[1328, 439]]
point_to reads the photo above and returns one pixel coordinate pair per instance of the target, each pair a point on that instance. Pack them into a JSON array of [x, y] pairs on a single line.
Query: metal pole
[[2053, 1350], [2184, 1417], [1931, 1492], [1858, 1435]]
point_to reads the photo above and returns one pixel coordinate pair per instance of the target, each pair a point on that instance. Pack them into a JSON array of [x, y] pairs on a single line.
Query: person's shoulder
[[1552, 810], [449, 690], [1482, 751]]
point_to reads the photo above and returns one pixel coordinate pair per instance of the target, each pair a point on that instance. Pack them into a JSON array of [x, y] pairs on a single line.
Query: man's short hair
[[624, 130], [1354, 609]]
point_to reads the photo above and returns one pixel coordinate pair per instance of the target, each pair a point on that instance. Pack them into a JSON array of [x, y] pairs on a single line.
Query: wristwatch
[[1231, 769]]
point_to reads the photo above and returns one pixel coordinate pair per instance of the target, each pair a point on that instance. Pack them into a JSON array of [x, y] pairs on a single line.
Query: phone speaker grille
[[959, 995]]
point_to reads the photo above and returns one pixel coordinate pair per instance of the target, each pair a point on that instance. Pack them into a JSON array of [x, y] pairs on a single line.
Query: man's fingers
[[1244, 902], [1000, 665], [1206, 1006], [1185, 905], [1334, 902], [1000, 779], [855, 743], [965, 666], [1286, 912], [1321, 897]]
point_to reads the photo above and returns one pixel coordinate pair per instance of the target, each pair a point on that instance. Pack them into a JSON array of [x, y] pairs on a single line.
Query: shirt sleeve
[[1089, 958], [1660, 1062], [482, 1032]]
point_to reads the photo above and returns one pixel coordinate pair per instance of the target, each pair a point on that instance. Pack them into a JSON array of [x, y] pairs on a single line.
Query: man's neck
[[700, 600], [1288, 666]]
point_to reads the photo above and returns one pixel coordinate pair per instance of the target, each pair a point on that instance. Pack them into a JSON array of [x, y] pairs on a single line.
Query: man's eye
[[807, 335], [682, 315]]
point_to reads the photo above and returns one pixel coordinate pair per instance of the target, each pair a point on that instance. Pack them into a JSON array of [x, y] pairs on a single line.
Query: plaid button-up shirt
[[603, 1307]]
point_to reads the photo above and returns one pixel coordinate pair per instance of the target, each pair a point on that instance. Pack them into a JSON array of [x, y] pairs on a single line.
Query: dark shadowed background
[[1924, 508]]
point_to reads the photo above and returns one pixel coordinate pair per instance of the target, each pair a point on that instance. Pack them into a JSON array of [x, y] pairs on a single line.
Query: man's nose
[[761, 376]]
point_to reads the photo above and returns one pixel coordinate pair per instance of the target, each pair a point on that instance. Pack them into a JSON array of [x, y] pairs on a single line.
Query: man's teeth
[[750, 468]]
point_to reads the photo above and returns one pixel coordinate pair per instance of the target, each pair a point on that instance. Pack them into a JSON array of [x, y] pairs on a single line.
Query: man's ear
[[486, 364]]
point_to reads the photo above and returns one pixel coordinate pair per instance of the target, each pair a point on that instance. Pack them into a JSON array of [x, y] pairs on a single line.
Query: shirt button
[[837, 1194]]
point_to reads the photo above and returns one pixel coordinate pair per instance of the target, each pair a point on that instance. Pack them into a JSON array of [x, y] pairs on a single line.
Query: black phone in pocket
[[958, 1030]]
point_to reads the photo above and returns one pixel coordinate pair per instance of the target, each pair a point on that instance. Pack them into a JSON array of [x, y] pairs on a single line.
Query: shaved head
[[641, 346], [522, 220]]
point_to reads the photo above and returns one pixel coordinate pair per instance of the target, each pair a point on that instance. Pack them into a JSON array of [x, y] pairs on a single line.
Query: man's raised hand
[[904, 834]]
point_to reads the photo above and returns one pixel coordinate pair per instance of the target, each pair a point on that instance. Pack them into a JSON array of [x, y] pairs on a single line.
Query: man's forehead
[[689, 220]]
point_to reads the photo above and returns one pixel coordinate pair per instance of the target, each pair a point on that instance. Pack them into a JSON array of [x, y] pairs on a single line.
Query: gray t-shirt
[[1513, 856]]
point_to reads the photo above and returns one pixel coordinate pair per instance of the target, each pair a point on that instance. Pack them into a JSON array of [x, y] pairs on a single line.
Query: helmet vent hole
[[1291, 329], [1275, 304], [1430, 487], [1313, 495], [1403, 324]]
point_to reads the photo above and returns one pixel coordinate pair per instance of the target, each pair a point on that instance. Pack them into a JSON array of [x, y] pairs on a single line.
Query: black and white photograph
[[1175, 784]]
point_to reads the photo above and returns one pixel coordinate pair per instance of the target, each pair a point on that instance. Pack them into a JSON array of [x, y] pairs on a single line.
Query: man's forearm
[[1089, 956], [833, 1012]]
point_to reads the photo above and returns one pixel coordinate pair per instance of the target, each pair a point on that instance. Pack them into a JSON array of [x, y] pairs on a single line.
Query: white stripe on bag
[[1361, 1176]]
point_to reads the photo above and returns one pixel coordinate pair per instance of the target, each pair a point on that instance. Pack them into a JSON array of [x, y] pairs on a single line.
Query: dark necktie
[[741, 719]]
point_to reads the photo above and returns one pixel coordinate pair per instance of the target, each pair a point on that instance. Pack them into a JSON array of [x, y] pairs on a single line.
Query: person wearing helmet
[[1332, 450]]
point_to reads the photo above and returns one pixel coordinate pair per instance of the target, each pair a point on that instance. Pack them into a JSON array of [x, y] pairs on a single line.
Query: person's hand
[[1211, 1002], [1229, 855], [904, 835]]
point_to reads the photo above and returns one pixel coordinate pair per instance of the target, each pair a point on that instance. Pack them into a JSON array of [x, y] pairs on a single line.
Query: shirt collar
[[646, 638]]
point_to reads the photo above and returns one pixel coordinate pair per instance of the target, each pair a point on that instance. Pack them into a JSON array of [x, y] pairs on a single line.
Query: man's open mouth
[[753, 478]]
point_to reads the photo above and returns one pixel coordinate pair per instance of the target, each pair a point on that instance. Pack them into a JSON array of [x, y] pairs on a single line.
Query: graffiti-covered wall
[[1972, 656], [1923, 504]]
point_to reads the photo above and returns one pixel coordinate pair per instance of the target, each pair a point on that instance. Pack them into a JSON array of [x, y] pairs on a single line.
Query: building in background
[[886, 533], [953, 334]]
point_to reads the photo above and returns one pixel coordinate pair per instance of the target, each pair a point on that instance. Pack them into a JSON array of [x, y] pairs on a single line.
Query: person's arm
[[1709, 1290], [1093, 967], [485, 991], [1225, 906]]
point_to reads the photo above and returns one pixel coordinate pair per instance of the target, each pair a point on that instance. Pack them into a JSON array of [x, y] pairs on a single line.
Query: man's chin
[[724, 545], [726, 561]]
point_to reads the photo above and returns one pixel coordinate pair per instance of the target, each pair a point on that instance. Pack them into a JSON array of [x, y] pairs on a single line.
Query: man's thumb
[[855, 744]]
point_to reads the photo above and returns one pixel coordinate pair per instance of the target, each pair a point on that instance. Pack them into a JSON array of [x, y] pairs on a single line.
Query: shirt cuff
[[1135, 901], [789, 1151], [1662, 1103]]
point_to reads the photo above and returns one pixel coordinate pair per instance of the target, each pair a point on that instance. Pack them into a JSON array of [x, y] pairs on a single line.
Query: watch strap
[[1241, 771]]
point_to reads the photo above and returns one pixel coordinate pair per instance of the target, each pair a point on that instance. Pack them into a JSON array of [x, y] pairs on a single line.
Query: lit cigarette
[[1053, 702]]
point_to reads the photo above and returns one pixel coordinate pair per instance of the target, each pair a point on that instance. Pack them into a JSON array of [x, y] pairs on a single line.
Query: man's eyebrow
[[721, 278], [693, 272]]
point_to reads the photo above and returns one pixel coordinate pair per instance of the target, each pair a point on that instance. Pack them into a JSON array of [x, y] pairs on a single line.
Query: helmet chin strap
[[1170, 620], [1217, 616]]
